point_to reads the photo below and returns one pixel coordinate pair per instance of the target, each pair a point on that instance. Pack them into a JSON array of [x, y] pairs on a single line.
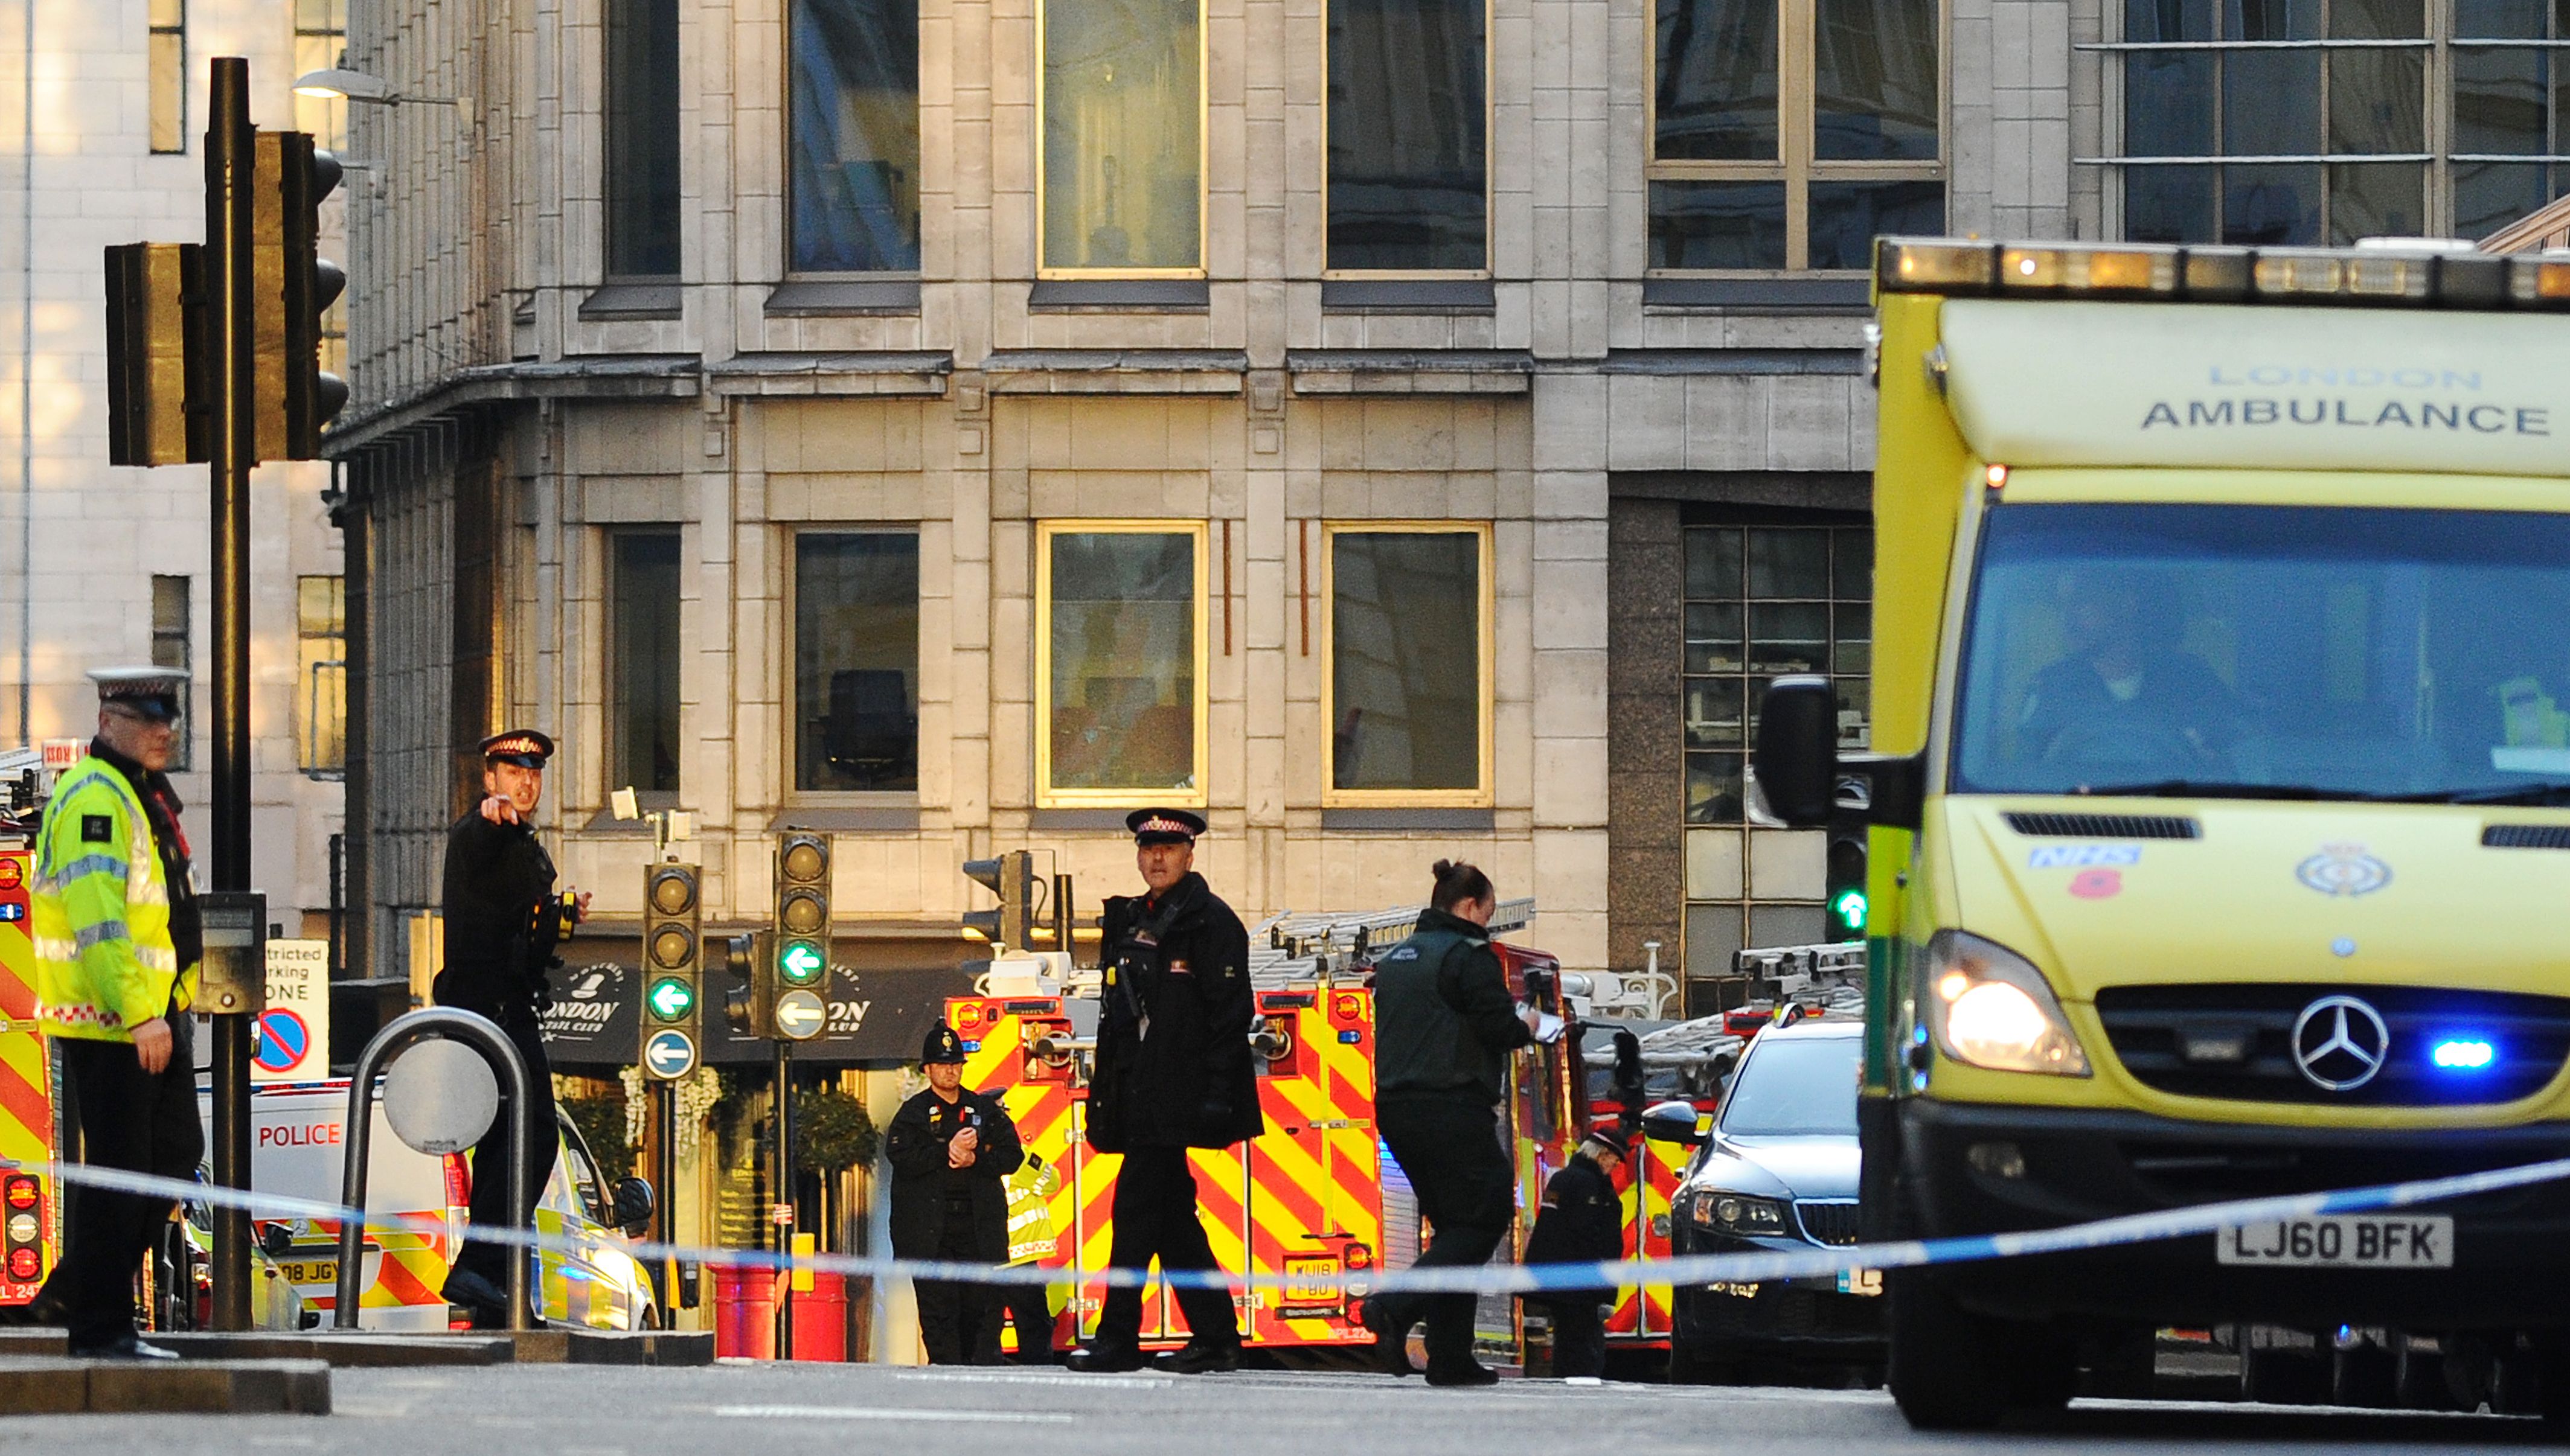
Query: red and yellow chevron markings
[[30, 1204]]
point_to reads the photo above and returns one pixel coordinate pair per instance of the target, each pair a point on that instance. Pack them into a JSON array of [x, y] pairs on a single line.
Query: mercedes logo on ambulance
[[2339, 1043]]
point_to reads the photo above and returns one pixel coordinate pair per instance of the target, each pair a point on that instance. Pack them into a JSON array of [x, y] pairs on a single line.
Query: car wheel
[[1947, 1371], [2365, 1374]]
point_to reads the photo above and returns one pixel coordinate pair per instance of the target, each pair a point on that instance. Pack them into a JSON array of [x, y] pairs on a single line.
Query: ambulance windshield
[[2276, 653]]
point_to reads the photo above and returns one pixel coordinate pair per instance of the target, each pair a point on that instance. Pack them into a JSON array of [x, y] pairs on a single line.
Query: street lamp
[[340, 84]]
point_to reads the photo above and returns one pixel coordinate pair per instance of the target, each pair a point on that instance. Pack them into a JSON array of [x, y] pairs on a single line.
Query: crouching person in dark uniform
[[952, 1150], [503, 921], [1582, 1221], [1444, 1024], [1173, 1072]]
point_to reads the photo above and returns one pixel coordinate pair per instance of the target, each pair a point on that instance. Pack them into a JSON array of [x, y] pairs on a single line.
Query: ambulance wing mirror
[[634, 1206], [1799, 779], [1797, 756], [1672, 1122]]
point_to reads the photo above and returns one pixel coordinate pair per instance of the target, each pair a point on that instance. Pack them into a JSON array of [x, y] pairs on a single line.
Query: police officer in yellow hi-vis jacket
[[116, 943]]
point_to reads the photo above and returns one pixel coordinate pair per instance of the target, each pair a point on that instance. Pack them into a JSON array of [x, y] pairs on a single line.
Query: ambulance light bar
[[2371, 276]]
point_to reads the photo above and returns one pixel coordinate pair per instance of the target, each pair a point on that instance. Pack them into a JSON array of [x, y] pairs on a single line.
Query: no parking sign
[[290, 1040]]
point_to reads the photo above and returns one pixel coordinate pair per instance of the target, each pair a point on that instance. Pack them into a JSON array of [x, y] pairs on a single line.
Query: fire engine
[[1317, 1196], [30, 1209]]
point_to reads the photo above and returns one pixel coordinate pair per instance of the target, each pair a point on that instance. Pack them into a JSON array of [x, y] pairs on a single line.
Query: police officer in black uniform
[[952, 1150], [503, 920], [1444, 1024], [1582, 1221], [1173, 1072]]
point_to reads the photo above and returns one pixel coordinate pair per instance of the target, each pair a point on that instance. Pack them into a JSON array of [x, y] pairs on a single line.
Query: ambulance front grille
[[2105, 826]]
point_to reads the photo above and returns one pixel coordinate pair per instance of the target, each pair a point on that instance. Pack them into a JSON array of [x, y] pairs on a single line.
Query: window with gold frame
[[1120, 663], [1406, 689], [1120, 106], [1785, 134]]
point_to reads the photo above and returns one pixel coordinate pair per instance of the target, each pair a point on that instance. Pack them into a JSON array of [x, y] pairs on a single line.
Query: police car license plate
[[2342, 1241]]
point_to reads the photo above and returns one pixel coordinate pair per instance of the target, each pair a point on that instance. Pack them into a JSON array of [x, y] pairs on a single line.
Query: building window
[[1409, 182], [642, 661], [856, 662], [1787, 133], [173, 645], [321, 675], [1408, 697], [1121, 682], [320, 37], [2268, 123], [1763, 599], [642, 180], [1122, 94], [168, 70], [854, 100]]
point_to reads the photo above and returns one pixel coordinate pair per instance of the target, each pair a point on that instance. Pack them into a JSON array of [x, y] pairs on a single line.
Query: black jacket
[[1173, 1063], [502, 919], [1582, 1221], [1444, 1021], [921, 1181]]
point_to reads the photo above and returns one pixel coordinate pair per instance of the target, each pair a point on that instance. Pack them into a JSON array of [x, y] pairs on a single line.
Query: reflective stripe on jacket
[[100, 914]]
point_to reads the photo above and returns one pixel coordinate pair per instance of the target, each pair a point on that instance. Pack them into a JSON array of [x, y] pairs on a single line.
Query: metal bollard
[[421, 1025]]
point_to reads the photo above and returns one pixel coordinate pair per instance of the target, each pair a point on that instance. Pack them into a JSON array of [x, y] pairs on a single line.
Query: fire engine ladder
[[1294, 949]]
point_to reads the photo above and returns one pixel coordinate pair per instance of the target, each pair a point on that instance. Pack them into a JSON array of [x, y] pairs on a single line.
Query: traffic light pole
[[232, 447], [664, 1179], [785, 1193]]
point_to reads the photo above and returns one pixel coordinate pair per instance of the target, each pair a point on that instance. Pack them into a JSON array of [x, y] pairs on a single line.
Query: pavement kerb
[[39, 1385]]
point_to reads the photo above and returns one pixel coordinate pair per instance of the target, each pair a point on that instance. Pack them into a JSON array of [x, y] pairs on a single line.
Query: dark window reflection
[[2168, 104], [1845, 217], [1716, 98], [2488, 195], [2271, 205], [2375, 100], [642, 124], [1717, 224], [2168, 20], [1873, 79], [2270, 103], [642, 665], [1407, 150], [855, 135], [856, 660], [2384, 199], [2500, 97]]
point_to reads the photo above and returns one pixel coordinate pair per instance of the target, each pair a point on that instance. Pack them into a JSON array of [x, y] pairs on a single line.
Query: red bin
[[745, 1311], [821, 1319]]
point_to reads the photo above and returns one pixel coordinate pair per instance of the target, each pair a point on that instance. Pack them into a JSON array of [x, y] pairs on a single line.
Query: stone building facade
[[102, 565], [1402, 427]]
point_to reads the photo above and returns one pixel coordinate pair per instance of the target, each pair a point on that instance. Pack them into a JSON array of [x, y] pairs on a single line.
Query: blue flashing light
[[2463, 1054]]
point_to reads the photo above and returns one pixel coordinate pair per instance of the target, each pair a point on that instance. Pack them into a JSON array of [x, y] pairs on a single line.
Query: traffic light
[[1011, 877], [1843, 913], [155, 341], [802, 909], [751, 1006], [672, 970], [295, 396]]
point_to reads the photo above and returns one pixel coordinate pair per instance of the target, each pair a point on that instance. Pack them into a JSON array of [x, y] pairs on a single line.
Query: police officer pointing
[[116, 942], [503, 920], [1173, 1072], [951, 1151]]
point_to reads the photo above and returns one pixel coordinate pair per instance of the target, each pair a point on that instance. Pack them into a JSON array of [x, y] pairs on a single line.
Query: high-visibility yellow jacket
[[100, 914]]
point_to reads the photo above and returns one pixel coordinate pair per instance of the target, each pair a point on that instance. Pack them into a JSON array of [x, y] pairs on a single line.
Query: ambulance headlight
[[1987, 1006]]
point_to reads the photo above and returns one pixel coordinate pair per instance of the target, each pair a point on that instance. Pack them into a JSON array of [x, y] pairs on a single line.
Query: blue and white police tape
[[2202, 1219]]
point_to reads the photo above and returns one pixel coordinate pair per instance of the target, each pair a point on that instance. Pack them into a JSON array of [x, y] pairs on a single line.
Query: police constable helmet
[[156, 693], [942, 1047], [1164, 826], [524, 747]]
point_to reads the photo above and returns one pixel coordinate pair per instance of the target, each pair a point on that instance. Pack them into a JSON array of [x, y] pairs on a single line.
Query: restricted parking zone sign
[[290, 1040]]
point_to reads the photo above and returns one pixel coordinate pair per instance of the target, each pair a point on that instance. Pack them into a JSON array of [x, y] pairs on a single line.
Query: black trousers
[[1155, 1217], [1449, 1148], [959, 1322], [491, 1155], [1030, 1310], [139, 1121], [1578, 1337]]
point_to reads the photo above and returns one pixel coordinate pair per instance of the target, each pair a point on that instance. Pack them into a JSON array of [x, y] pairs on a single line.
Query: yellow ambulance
[[2219, 796]]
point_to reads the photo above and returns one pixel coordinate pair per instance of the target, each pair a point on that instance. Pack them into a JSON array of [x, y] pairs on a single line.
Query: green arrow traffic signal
[[1848, 911], [670, 998], [800, 962]]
